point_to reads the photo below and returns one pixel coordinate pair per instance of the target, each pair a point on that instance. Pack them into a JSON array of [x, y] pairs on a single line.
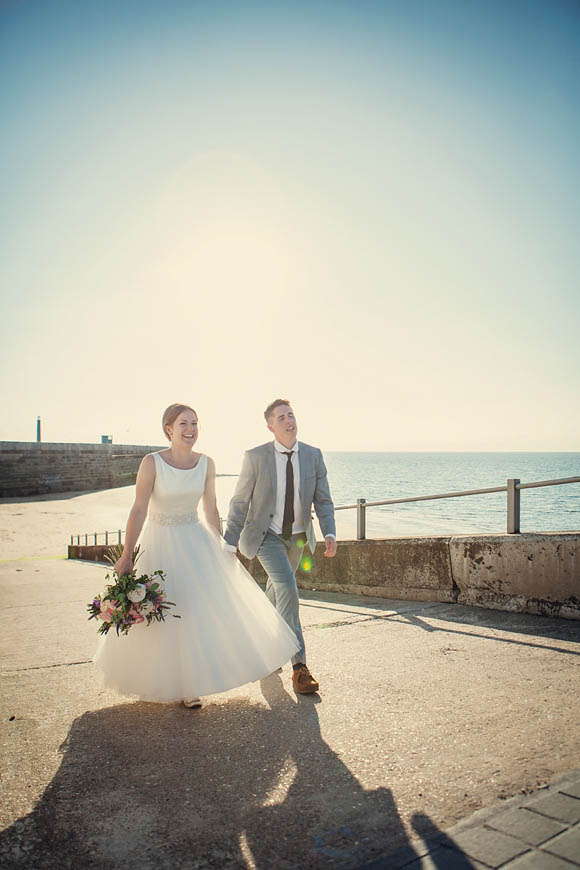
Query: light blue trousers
[[280, 559]]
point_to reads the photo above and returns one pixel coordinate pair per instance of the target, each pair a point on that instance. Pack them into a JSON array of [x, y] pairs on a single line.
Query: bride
[[228, 633]]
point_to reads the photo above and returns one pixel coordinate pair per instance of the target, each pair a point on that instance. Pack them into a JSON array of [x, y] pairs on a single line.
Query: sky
[[369, 208]]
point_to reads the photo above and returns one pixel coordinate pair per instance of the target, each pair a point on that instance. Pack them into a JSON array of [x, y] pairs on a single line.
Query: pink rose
[[134, 615]]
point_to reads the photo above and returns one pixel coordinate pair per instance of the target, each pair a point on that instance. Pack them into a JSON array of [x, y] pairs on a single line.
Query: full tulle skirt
[[228, 633]]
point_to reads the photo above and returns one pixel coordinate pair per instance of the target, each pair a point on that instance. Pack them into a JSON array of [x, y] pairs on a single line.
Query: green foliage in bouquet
[[130, 600]]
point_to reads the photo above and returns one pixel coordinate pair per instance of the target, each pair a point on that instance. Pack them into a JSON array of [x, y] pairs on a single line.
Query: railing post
[[86, 540], [120, 535], [361, 520], [72, 540], [106, 538], [513, 506], [95, 539]]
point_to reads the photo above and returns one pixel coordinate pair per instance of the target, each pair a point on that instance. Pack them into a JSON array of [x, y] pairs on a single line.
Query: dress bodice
[[176, 492]]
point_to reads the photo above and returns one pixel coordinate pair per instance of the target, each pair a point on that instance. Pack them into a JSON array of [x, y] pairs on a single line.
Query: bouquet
[[130, 600]]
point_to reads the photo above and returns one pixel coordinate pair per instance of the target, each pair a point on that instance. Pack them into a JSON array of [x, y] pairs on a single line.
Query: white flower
[[138, 594]]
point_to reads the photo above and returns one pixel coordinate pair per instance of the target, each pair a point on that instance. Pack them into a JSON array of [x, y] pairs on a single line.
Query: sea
[[379, 476]]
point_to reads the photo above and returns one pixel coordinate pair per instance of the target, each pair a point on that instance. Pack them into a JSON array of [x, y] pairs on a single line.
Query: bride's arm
[[138, 513], [210, 507]]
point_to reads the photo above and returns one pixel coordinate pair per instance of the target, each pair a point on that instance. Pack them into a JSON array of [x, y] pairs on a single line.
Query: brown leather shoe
[[303, 681]]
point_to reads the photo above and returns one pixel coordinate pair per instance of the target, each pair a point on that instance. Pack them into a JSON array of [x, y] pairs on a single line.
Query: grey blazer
[[254, 501]]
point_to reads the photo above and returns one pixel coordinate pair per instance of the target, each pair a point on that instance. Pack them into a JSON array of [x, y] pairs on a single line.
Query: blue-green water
[[377, 476]]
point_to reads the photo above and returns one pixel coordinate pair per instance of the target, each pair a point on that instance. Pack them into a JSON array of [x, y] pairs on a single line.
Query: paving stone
[[558, 806], [450, 859], [572, 788], [410, 858], [538, 861], [491, 847], [529, 827], [566, 845], [416, 849]]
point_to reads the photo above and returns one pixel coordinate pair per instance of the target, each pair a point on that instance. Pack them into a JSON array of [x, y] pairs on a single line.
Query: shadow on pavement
[[468, 617], [442, 852], [236, 784], [523, 624], [47, 496]]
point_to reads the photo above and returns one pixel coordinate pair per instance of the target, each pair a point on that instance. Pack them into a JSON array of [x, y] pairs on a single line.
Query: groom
[[270, 516]]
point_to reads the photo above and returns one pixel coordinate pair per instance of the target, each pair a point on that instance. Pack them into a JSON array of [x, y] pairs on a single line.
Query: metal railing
[[109, 538], [512, 487]]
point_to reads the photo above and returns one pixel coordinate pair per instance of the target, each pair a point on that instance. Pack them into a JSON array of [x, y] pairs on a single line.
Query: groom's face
[[283, 425]]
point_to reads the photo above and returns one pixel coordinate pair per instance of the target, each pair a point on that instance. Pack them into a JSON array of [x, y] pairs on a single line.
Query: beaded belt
[[172, 519]]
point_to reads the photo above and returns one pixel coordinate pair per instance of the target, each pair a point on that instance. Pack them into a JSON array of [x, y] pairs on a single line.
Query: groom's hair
[[171, 414], [269, 412]]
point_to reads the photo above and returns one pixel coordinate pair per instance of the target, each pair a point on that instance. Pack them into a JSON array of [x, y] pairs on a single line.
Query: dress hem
[[105, 683]]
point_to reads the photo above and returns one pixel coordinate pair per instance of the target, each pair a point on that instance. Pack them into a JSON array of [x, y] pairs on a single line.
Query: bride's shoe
[[192, 703]]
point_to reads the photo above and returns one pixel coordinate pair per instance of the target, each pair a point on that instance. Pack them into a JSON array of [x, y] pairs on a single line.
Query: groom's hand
[[330, 546]]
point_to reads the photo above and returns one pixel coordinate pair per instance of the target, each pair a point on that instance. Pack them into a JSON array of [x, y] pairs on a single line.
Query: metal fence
[[513, 488], [92, 538]]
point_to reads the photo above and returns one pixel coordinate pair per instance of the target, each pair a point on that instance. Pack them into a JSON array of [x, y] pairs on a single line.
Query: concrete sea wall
[[30, 468], [528, 573]]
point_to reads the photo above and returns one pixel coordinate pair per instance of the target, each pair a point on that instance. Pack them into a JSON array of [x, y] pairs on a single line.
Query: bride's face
[[184, 431]]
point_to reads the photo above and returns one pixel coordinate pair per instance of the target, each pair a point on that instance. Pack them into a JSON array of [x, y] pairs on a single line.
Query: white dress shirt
[[281, 462]]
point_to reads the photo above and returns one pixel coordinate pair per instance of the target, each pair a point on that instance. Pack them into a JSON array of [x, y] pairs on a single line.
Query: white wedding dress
[[228, 634]]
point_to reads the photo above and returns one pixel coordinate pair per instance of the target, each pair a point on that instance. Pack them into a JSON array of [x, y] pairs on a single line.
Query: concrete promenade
[[428, 713]]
